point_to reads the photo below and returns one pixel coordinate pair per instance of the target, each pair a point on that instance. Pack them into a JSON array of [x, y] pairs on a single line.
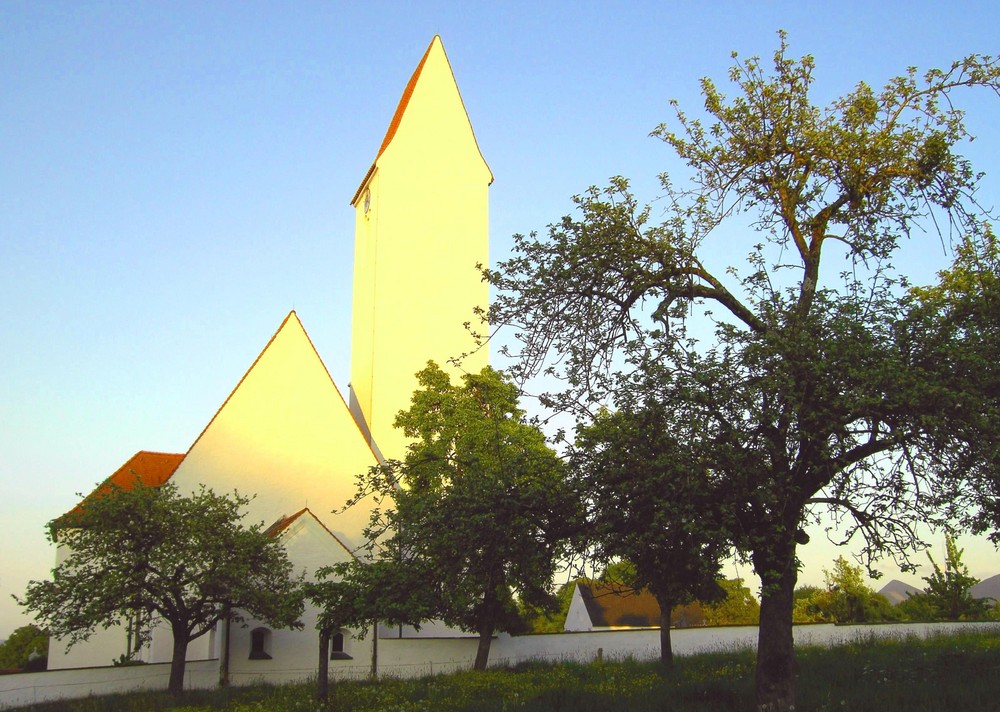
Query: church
[[286, 434]]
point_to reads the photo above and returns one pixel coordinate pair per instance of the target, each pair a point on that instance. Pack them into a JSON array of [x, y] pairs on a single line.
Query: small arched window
[[260, 642], [337, 651]]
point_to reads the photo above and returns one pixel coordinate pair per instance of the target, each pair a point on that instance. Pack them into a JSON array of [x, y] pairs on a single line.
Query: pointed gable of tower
[[421, 227], [438, 119], [284, 435]]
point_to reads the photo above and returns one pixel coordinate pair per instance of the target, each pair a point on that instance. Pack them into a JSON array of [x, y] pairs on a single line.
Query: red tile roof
[[396, 119], [616, 606], [152, 469]]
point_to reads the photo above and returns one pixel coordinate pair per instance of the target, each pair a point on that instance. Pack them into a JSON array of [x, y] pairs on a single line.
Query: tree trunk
[[666, 649], [224, 663], [775, 678], [483, 651], [178, 660], [323, 670], [374, 672]]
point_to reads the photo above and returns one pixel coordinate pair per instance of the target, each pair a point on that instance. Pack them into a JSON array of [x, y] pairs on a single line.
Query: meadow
[[946, 672]]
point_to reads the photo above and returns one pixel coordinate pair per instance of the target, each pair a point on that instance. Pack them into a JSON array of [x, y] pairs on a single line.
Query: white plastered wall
[[309, 548], [286, 436]]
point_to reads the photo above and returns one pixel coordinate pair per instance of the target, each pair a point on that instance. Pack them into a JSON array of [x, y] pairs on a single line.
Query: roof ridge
[[242, 379], [286, 521], [336, 389]]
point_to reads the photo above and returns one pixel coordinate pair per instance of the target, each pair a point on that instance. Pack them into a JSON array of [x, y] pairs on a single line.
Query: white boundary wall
[[416, 657], [29, 688]]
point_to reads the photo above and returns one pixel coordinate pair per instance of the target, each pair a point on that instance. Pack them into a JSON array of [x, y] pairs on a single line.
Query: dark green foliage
[[820, 393], [149, 550], [551, 618], [846, 599], [947, 591], [478, 510], [27, 648], [651, 499], [917, 608], [357, 594]]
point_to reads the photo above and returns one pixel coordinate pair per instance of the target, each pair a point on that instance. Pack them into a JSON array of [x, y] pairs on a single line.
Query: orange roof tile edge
[[404, 101], [396, 118], [151, 469]]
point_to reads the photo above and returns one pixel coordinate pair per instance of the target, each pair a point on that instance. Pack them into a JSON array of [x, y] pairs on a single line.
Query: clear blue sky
[[175, 177]]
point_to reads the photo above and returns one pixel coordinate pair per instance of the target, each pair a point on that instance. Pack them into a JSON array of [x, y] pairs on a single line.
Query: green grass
[[947, 672]]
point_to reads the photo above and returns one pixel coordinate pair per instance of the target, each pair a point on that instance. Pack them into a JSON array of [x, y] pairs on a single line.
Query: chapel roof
[[617, 606]]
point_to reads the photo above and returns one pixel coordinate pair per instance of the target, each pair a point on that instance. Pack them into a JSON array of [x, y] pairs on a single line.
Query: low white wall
[[29, 688], [416, 657]]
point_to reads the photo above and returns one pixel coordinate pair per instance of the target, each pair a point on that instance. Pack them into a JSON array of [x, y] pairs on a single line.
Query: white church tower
[[421, 227], [285, 434]]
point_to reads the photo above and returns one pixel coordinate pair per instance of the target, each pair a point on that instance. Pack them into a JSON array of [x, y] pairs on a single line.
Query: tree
[[739, 607], [149, 550], [804, 605], [649, 500], [957, 323], [848, 599], [358, 594], [947, 590], [917, 608], [813, 396], [480, 505], [27, 648]]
